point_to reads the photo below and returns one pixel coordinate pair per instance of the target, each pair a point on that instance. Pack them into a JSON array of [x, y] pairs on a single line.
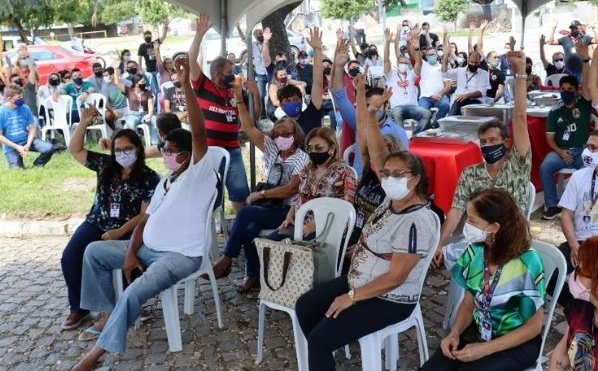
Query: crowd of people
[[150, 225]]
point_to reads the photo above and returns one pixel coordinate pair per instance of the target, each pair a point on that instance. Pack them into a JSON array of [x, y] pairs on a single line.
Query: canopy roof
[[526, 7]]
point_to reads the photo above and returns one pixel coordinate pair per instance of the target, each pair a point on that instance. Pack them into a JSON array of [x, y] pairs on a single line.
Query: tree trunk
[[280, 39], [70, 30], [20, 29]]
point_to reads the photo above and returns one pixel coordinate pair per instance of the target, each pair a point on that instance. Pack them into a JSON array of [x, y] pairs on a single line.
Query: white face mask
[[403, 67], [460, 60], [559, 65], [589, 158], [474, 234], [395, 188], [440, 53], [107, 79]]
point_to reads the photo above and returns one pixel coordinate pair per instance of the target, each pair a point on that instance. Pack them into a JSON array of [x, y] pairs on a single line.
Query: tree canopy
[[345, 9], [449, 10]]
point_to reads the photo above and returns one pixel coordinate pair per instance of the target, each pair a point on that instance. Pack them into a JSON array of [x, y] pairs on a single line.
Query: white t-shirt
[[432, 81], [577, 198], [404, 91], [178, 216], [468, 82]]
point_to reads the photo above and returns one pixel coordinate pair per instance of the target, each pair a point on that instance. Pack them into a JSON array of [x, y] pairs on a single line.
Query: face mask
[[494, 153], [474, 234], [395, 188], [148, 39], [170, 162], [559, 65], [567, 97], [354, 71], [177, 84], [589, 158], [460, 61], [78, 80], [495, 64], [528, 70], [432, 59], [126, 160], [19, 102], [380, 114], [132, 71], [373, 52], [440, 53], [327, 71], [292, 109], [54, 82], [107, 79], [127, 58], [472, 68], [141, 86], [260, 39], [403, 67], [228, 80], [577, 289], [575, 33], [284, 143], [281, 64], [303, 61], [283, 80], [98, 73], [318, 158]]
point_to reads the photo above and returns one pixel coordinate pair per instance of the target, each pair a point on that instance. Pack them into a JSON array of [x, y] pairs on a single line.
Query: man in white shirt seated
[[472, 82], [403, 101], [432, 85], [167, 245]]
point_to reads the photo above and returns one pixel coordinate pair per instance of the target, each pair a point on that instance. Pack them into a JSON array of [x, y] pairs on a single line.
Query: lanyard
[[489, 288], [469, 79]]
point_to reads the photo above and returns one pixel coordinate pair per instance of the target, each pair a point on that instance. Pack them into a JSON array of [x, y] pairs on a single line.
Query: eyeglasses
[[125, 151], [591, 147], [284, 135], [169, 152], [395, 174], [316, 148]]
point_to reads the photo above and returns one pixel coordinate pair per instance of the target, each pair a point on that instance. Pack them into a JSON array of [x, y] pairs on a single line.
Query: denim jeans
[[443, 106], [154, 85], [422, 115], [456, 107], [249, 222], [45, 149], [550, 166], [262, 81], [236, 179], [163, 269], [133, 119]]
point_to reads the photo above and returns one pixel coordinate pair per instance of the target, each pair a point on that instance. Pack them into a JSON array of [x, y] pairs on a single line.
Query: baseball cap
[[575, 24]]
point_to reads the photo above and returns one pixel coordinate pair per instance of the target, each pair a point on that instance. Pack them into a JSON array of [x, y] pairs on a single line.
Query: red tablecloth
[[536, 126], [444, 164]]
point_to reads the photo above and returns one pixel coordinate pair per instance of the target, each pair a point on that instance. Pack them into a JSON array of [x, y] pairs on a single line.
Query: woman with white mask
[[499, 322]]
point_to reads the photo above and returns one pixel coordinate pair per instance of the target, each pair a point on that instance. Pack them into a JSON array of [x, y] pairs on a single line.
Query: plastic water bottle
[[326, 121]]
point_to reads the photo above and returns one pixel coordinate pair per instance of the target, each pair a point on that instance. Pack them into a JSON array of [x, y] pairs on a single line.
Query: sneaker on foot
[[551, 213]]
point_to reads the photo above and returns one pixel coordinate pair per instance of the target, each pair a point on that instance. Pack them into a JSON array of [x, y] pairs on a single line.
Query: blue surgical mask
[[292, 109], [495, 63], [380, 113], [432, 59], [19, 102], [567, 97]]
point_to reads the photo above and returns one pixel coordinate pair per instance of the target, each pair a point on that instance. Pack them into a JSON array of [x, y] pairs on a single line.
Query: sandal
[[74, 320], [89, 334], [221, 269], [248, 285]]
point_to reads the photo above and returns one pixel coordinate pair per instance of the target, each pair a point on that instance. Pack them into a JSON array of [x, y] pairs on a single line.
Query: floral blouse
[[338, 182], [121, 196]]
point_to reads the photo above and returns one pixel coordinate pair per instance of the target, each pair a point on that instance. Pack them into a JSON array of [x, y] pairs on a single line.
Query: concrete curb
[[26, 228]]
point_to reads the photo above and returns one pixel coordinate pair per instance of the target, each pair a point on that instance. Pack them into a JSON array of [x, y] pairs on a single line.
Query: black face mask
[[141, 86], [98, 73], [132, 71], [528, 70], [472, 68], [260, 39], [327, 71], [373, 52], [575, 33], [318, 158], [177, 84], [148, 39], [494, 153], [354, 71], [281, 64], [54, 82]]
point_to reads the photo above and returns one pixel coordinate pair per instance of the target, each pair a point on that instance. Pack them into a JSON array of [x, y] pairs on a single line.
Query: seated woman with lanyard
[[283, 161], [500, 319]]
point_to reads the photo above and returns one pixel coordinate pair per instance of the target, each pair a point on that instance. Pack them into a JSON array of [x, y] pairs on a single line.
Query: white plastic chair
[[99, 102], [531, 199], [342, 225], [371, 345], [169, 298], [561, 180], [553, 80], [61, 119], [347, 154], [218, 154], [553, 259]]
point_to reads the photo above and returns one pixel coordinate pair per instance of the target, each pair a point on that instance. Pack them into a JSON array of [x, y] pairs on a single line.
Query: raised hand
[[517, 60], [542, 40], [203, 23], [582, 49], [86, 115], [339, 34], [484, 24], [379, 100], [267, 34], [238, 89], [360, 80], [471, 27], [413, 37], [315, 38], [341, 56], [512, 42], [388, 36], [181, 65]]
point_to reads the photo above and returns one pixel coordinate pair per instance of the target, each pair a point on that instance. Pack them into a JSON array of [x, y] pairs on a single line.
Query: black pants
[[325, 335], [565, 296], [518, 358], [456, 107]]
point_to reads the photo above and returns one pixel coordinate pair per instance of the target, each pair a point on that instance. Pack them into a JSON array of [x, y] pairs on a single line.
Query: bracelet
[[520, 76], [240, 103]]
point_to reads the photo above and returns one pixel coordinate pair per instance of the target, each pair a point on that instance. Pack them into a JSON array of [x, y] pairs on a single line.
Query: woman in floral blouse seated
[[388, 266], [500, 319], [124, 188]]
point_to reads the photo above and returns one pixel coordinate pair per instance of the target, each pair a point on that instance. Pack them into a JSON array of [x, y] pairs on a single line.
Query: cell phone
[[136, 273]]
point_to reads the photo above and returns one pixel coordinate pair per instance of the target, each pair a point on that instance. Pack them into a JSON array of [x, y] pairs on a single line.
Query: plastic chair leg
[[117, 282], [216, 297], [189, 296], [370, 353], [422, 342], [347, 352], [391, 356], [300, 344], [171, 318], [260, 333]]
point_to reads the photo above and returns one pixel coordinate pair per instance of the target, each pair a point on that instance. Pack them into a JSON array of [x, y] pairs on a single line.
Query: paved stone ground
[[33, 303]]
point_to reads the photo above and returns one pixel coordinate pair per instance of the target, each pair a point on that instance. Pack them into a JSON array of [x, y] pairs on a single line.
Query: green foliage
[[345, 9], [448, 10], [28, 13], [114, 12], [155, 12]]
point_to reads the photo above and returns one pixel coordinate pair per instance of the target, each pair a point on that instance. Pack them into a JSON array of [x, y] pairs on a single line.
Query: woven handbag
[[286, 271]]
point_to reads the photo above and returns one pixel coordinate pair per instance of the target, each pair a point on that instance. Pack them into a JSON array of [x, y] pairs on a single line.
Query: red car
[[54, 58]]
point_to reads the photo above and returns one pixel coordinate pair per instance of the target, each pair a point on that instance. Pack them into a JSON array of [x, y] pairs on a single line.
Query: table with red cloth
[[444, 164], [536, 127]]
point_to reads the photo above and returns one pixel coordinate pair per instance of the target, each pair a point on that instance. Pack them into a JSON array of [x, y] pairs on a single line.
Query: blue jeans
[[262, 81], [236, 179], [133, 119], [550, 166], [45, 149], [163, 269], [250, 220], [456, 107], [154, 85], [422, 115], [443, 106]]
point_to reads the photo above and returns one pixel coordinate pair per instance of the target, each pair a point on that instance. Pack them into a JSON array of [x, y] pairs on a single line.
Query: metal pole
[[523, 15], [223, 27], [382, 14], [250, 76]]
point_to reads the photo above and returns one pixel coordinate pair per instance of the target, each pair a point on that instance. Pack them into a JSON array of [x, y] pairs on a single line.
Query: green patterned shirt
[[520, 292], [514, 178]]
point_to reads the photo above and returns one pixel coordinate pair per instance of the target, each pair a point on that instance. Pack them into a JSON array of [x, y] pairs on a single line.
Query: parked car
[[54, 58], [10, 42]]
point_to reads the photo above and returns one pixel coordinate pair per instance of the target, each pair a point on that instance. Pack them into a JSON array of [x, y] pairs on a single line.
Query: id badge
[[114, 210], [566, 136], [587, 218], [229, 117], [486, 330]]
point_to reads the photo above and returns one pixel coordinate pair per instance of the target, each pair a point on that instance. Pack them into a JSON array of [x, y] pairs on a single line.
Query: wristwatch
[[351, 294], [263, 193]]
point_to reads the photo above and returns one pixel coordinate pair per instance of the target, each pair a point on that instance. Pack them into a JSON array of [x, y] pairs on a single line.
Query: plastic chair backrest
[[347, 154], [342, 224], [219, 154], [553, 260], [431, 253], [531, 199], [98, 101], [62, 110], [553, 80], [206, 261]]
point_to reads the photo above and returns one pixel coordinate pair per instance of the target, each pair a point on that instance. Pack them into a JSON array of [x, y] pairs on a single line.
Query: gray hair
[[217, 65]]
